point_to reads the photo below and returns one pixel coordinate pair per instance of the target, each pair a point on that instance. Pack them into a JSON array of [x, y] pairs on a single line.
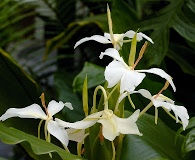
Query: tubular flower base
[[112, 125]]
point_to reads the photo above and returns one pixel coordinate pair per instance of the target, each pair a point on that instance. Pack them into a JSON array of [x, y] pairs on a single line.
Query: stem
[[79, 145], [156, 115], [132, 51], [145, 109], [119, 147], [113, 151]]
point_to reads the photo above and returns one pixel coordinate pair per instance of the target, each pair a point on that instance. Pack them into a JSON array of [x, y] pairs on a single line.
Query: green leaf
[[189, 144], [71, 30], [38, 146], [178, 54], [90, 70], [160, 24], [158, 142], [65, 93], [18, 89]]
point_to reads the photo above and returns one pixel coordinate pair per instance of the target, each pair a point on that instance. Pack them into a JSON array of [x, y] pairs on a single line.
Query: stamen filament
[[164, 88], [39, 128], [145, 109], [140, 54], [43, 102], [171, 115], [94, 98]]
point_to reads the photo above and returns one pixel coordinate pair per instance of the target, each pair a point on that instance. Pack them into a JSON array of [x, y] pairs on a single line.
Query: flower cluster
[[119, 75]]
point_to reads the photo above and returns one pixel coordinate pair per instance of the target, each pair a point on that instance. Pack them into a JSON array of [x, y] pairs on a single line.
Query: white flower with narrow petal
[[165, 102], [112, 125], [35, 111], [118, 38], [119, 72]]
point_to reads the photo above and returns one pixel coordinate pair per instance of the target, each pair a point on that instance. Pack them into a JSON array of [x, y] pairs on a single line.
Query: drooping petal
[[162, 74], [128, 125], [57, 131], [109, 130], [145, 93], [159, 103], [114, 72], [98, 38], [112, 53], [140, 36], [32, 111], [68, 105], [146, 37], [182, 113], [130, 80], [54, 107], [75, 134], [83, 124], [130, 34]]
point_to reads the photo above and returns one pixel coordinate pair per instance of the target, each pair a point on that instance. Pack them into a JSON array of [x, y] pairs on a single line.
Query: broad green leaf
[[94, 73], [72, 30], [17, 88], [178, 54], [66, 94], [189, 143], [38, 146], [158, 142], [160, 24]]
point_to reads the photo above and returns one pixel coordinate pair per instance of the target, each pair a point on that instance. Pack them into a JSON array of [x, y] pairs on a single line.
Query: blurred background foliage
[[37, 52]]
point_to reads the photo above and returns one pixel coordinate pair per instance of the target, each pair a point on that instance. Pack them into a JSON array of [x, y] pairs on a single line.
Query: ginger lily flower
[[35, 111], [112, 125], [129, 78], [160, 100], [115, 39]]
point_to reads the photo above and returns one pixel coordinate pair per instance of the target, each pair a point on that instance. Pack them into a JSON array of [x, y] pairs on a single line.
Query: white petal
[[114, 72], [83, 124], [130, 80], [159, 103], [145, 93], [68, 105], [57, 131], [161, 73], [97, 38], [128, 125], [76, 135], [131, 34], [112, 53], [109, 130], [54, 107], [122, 96], [182, 113], [32, 111], [146, 37]]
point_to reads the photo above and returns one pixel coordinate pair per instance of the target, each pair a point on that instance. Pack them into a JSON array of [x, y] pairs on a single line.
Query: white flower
[[119, 72], [35, 111], [118, 38], [112, 125], [165, 102]]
